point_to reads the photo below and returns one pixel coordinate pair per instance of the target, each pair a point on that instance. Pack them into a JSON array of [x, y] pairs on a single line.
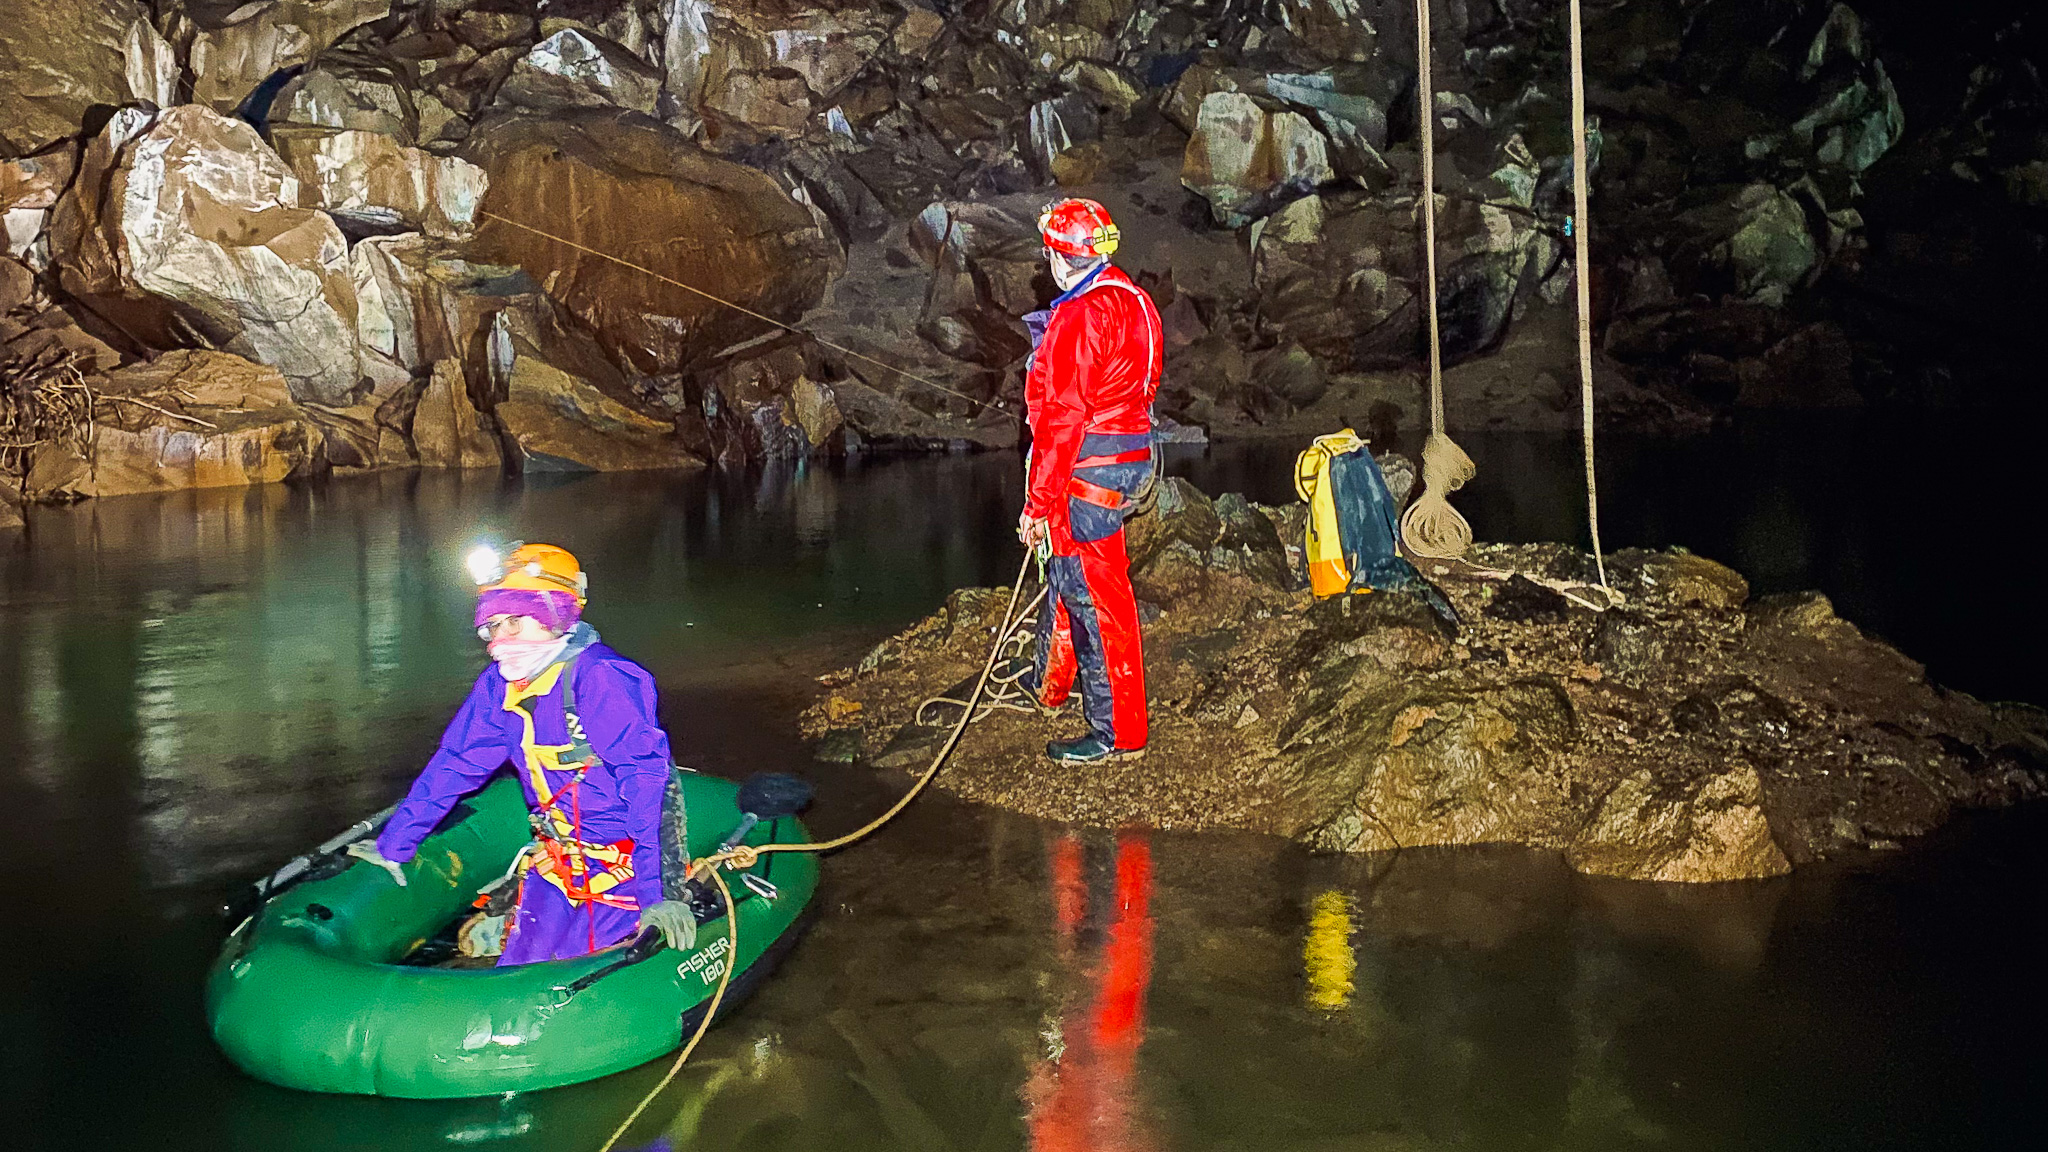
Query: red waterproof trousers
[[1089, 392]]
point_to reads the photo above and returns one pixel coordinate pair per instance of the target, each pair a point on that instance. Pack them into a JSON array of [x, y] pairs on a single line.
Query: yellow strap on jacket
[[566, 859], [1328, 573]]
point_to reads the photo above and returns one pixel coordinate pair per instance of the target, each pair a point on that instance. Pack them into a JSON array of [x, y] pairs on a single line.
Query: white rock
[[372, 176]]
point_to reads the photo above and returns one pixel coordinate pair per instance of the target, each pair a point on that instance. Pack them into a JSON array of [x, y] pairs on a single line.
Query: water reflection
[[194, 686], [1083, 1093]]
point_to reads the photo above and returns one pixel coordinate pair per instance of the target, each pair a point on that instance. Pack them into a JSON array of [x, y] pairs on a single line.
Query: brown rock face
[[60, 57], [233, 47], [187, 420], [636, 190], [563, 408], [1680, 830], [446, 430]]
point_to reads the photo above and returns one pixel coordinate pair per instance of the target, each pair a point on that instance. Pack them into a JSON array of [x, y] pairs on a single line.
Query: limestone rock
[[446, 429], [235, 423], [576, 69], [1245, 156], [1414, 765], [372, 179], [29, 188], [1685, 830], [775, 69], [232, 50], [352, 99], [561, 406], [817, 411], [59, 58], [191, 207], [1681, 578], [624, 185]]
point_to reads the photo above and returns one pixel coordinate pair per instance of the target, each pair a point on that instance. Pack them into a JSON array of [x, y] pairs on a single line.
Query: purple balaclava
[[557, 610]]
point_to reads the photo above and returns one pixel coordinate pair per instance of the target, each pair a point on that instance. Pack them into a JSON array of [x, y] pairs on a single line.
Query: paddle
[[298, 867], [763, 796]]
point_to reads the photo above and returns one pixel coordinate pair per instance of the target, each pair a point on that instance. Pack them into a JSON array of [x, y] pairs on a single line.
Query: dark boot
[[1089, 749]]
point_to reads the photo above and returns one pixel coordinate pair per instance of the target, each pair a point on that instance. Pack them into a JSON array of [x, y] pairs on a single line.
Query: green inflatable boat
[[313, 989]]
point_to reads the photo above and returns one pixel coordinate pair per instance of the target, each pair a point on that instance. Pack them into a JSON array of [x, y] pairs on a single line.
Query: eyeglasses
[[492, 627]]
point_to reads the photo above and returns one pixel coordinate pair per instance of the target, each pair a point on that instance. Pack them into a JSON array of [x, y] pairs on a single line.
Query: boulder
[[1248, 154], [190, 419], [775, 69], [191, 208], [1390, 765], [447, 431], [373, 181], [1681, 829], [59, 58], [577, 69], [624, 185], [366, 99], [29, 188], [233, 49], [561, 406]]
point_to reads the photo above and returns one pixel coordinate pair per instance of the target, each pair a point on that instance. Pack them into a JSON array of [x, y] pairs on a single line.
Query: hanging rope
[[1430, 526], [1581, 274], [740, 308]]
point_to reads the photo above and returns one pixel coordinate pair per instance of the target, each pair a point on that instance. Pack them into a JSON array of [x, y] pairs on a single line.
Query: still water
[[194, 687]]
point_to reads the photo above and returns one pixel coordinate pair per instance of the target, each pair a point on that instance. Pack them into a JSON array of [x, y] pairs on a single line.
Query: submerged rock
[[1689, 736]]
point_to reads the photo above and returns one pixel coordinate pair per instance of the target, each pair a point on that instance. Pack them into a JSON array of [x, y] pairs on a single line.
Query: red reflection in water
[[1085, 1101]]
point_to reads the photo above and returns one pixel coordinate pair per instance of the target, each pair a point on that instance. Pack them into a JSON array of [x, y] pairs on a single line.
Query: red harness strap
[[1094, 494], [1134, 456]]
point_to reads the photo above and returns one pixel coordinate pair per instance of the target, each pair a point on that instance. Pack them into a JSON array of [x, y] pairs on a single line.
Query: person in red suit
[[1096, 364]]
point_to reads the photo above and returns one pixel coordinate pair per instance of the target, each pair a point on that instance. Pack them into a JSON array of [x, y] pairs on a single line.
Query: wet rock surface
[[1688, 734]]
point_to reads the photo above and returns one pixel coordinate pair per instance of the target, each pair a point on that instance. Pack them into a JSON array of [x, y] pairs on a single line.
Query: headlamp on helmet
[[529, 567], [1079, 228]]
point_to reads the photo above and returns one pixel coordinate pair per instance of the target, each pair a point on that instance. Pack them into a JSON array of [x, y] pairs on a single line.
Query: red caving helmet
[[1078, 228]]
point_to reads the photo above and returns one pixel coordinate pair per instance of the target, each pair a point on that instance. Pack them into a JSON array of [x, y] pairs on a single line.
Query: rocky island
[[1685, 733]]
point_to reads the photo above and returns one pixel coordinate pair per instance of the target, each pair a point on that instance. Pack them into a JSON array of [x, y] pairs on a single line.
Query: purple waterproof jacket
[[620, 798]]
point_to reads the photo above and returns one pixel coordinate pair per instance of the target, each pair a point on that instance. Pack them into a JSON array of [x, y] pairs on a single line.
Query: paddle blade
[[774, 795]]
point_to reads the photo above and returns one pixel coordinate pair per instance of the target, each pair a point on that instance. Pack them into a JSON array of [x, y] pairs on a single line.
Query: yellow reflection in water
[[1326, 956]]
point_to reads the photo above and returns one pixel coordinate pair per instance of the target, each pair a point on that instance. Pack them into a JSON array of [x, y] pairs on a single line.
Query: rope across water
[[744, 856], [740, 308]]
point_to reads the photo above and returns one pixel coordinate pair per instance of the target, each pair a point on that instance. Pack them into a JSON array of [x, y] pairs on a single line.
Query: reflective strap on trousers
[[1134, 456], [1094, 494]]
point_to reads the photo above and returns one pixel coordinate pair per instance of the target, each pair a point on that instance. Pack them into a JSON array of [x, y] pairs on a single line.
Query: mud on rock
[[1689, 734]]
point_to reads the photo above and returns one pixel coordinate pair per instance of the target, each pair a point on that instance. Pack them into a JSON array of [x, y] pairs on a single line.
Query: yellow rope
[[1579, 221], [1430, 526], [740, 308], [732, 961], [743, 856]]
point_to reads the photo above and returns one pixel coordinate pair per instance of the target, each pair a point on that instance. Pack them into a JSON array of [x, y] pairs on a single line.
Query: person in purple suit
[[576, 721]]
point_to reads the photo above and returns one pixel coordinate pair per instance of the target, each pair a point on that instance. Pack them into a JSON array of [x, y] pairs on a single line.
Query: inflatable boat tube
[[310, 991]]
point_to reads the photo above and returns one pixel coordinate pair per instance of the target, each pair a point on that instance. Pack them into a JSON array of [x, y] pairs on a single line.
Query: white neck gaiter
[[521, 660]]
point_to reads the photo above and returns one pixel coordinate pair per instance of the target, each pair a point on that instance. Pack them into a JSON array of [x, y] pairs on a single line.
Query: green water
[[194, 687]]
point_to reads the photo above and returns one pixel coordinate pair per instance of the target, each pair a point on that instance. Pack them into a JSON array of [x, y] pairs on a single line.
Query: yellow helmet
[[530, 568]]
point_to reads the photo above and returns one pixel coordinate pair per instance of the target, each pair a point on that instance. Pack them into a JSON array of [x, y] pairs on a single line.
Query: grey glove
[[674, 920], [366, 850]]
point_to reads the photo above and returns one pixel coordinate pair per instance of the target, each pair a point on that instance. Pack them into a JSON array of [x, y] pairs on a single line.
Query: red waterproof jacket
[[1097, 370]]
